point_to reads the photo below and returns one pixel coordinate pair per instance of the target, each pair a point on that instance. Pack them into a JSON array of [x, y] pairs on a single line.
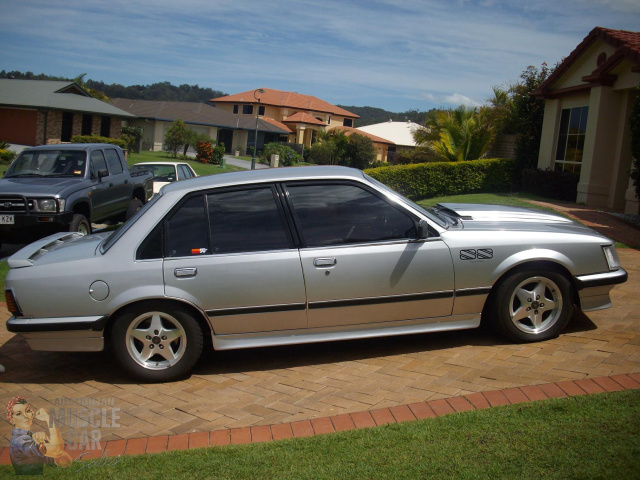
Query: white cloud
[[459, 99]]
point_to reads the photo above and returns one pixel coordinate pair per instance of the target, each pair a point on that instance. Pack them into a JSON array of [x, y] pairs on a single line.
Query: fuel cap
[[99, 290]]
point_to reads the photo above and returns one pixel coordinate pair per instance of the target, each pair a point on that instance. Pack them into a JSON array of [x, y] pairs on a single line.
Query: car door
[[121, 190], [231, 253], [100, 195], [361, 261]]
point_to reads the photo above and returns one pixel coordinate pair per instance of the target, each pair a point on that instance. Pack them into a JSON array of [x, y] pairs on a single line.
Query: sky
[[395, 55]]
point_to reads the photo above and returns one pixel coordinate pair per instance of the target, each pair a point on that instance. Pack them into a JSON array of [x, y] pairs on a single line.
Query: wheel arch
[[535, 264], [82, 207], [158, 303]]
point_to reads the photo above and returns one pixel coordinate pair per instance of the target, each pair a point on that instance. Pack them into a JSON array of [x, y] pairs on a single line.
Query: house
[[382, 145], [304, 115], [155, 117], [588, 100], [399, 134], [37, 112]]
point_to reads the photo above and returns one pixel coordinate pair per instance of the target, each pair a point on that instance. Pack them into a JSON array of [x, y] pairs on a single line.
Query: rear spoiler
[[30, 253]]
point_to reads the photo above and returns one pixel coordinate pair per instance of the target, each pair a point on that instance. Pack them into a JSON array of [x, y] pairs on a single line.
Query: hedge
[[426, 180], [98, 139]]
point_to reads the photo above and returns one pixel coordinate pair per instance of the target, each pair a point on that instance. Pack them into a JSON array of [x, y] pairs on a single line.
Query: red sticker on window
[[198, 251]]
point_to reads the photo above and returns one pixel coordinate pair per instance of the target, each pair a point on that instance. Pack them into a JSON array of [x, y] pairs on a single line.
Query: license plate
[[6, 220]]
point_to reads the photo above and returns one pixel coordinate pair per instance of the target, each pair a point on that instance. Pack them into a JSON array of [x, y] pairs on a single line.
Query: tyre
[[532, 305], [156, 342], [80, 224], [134, 207]]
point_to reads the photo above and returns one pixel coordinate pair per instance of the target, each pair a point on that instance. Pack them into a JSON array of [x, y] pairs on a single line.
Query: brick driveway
[[274, 385]]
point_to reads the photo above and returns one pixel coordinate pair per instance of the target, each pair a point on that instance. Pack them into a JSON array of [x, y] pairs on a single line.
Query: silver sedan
[[297, 255]]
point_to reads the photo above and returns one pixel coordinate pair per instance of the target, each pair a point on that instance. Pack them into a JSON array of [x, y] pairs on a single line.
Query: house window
[[329, 120], [573, 127], [261, 110], [105, 127], [348, 122], [67, 127], [247, 109], [86, 124], [235, 109]]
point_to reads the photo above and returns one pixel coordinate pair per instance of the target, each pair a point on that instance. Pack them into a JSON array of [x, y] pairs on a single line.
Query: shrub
[[288, 156], [98, 139], [204, 152], [550, 184], [7, 156], [321, 153], [427, 180]]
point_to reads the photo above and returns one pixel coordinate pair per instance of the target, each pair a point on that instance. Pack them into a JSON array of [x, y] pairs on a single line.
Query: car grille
[[14, 204]]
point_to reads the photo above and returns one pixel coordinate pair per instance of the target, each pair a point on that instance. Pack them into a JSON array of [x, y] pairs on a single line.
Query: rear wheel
[[532, 305], [157, 343], [80, 224]]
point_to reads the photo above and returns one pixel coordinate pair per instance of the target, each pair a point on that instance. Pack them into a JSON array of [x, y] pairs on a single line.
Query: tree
[[359, 152], [176, 137], [528, 113], [500, 111], [457, 135], [93, 92]]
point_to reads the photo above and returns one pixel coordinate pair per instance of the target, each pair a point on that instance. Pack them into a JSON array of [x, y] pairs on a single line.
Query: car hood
[[59, 247], [37, 186], [507, 218]]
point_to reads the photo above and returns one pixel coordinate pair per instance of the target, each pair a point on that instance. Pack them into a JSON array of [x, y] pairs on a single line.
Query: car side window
[[97, 163], [186, 230], [115, 166], [181, 175], [338, 214], [246, 221], [184, 173]]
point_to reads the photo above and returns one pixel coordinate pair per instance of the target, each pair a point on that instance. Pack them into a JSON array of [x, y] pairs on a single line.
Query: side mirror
[[103, 173], [422, 230]]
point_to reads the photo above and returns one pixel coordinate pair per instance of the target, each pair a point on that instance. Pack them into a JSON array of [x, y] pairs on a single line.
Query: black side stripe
[[470, 292], [250, 310], [380, 300]]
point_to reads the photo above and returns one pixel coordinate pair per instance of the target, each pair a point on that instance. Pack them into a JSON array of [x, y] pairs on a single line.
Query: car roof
[[281, 174], [161, 163], [71, 146]]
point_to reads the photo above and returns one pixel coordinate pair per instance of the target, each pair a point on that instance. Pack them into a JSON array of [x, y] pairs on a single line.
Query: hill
[[372, 115]]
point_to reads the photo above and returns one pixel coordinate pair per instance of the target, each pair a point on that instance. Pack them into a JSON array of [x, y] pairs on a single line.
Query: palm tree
[[457, 135], [94, 93]]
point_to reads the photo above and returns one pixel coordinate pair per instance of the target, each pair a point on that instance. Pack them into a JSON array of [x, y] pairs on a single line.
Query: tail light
[[12, 304]]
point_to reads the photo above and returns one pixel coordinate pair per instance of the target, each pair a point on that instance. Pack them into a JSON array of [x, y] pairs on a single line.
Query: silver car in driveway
[[297, 255]]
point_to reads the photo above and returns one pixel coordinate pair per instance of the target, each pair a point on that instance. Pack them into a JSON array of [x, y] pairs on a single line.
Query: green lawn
[[200, 168], [512, 199], [595, 436]]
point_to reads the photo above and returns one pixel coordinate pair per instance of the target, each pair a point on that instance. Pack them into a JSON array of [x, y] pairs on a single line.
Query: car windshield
[[49, 163], [159, 171], [113, 238], [432, 215]]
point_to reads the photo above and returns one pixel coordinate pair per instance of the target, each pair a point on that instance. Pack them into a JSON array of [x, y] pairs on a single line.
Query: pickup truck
[[66, 187]]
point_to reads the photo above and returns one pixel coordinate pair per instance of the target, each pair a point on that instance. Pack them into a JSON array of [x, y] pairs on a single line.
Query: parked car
[[165, 172], [66, 187], [296, 255]]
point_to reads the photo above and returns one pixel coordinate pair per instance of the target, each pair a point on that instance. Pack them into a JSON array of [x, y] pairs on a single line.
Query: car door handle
[[185, 272], [324, 262]]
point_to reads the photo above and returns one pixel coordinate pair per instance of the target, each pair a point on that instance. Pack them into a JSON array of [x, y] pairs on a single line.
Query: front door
[[361, 261]]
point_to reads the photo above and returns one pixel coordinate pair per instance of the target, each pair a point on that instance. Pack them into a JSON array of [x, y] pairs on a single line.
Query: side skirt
[[347, 332]]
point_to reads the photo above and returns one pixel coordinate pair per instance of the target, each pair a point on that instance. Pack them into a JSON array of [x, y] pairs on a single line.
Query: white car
[[165, 172]]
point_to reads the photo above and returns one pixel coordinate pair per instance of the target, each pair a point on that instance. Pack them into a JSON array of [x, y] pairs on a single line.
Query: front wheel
[[156, 343], [80, 224], [532, 305]]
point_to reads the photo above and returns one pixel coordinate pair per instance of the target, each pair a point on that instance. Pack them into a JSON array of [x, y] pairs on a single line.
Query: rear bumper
[[75, 334], [594, 289]]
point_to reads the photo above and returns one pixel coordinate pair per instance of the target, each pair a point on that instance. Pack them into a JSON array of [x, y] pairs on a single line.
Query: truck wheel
[[532, 305], [80, 224], [157, 343], [134, 207]]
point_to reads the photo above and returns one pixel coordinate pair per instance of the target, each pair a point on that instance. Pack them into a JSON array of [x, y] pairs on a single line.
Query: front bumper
[[74, 334], [30, 227], [594, 289]]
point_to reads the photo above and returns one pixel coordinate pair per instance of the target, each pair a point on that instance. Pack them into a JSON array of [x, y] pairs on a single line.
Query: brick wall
[[54, 126]]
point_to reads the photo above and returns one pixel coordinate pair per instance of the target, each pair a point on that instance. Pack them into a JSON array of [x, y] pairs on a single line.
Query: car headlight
[[611, 254], [46, 205]]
